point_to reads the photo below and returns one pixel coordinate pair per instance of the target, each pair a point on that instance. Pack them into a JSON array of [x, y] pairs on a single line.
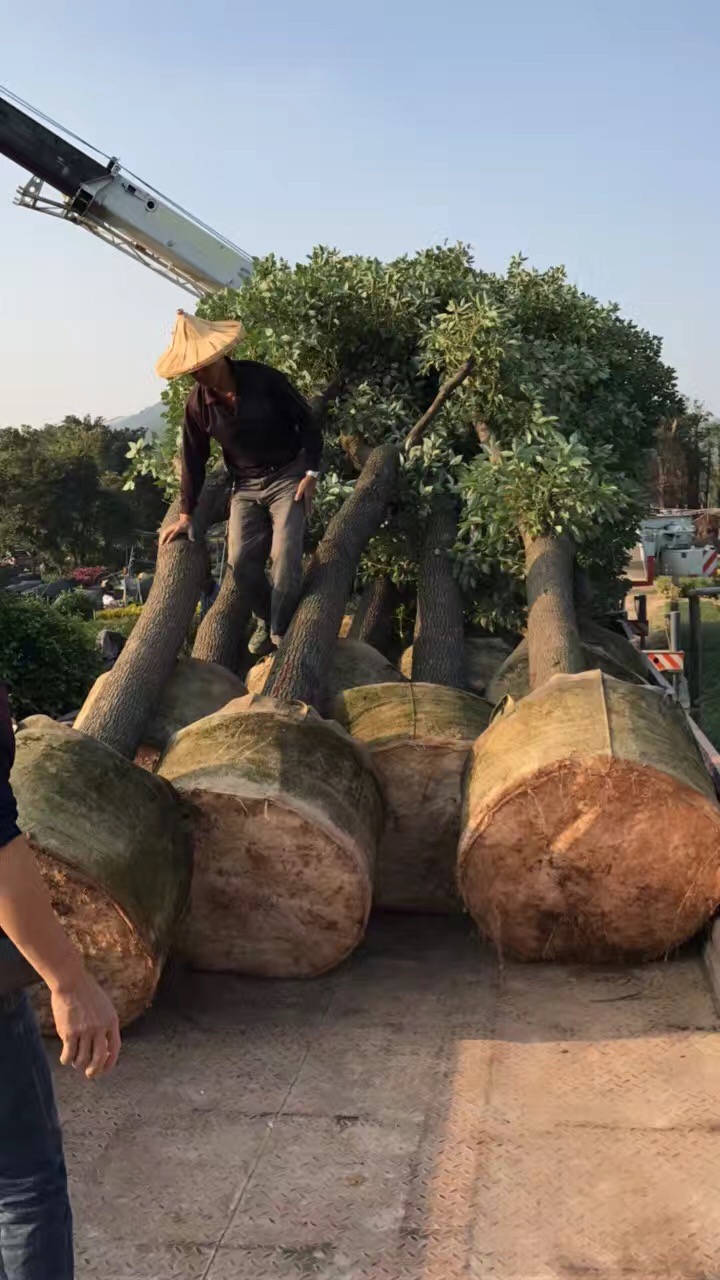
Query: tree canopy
[[63, 494], [559, 380]]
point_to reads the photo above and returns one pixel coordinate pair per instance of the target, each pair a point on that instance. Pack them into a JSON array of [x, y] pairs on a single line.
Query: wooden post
[[695, 672], [641, 615]]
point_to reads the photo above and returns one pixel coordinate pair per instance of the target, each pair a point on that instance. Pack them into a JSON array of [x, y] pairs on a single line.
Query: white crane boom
[[116, 207]]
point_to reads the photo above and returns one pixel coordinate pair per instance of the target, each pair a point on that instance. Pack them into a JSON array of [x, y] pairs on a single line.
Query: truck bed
[[420, 1114]]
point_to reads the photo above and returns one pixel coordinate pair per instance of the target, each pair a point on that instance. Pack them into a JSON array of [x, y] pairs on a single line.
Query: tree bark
[[553, 638], [582, 592], [303, 661], [221, 636], [374, 616], [133, 687], [438, 656]]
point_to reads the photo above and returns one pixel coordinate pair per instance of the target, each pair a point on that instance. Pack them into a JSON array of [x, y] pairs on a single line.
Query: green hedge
[[48, 660]]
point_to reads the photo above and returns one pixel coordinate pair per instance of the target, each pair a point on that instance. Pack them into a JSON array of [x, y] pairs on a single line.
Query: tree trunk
[[374, 616], [300, 669], [582, 592], [221, 636], [438, 654], [133, 688], [552, 633]]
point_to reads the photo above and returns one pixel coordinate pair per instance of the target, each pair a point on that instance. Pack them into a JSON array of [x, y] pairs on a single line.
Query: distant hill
[[149, 421]]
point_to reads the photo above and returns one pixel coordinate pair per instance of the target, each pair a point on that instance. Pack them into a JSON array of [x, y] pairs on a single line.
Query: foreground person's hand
[[86, 1023]]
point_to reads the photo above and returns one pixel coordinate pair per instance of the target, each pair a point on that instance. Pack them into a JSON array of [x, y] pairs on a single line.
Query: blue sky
[[582, 132]]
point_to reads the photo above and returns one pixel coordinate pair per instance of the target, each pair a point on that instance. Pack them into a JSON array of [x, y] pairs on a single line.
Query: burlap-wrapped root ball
[[287, 815], [111, 843], [590, 828], [419, 736]]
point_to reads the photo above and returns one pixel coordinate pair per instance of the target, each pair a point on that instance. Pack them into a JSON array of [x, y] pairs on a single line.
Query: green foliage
[[75, 604], [665, 586], [124, 611], [543, 484], [571, 391], [63, 496], [122, 620], [544, 347], [333, 316], [48, 661]]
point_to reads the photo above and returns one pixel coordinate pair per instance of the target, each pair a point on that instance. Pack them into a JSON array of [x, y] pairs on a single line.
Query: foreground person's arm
[[84, 1016]]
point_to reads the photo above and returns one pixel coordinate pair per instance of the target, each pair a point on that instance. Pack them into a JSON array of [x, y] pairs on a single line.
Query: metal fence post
[[695, 673], [641, 615], [675, 625]]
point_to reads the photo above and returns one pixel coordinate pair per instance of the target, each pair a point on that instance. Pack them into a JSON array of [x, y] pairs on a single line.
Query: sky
[[583, 132]]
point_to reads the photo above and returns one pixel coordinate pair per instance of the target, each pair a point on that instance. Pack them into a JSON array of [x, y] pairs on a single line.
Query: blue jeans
[[35, 1218]]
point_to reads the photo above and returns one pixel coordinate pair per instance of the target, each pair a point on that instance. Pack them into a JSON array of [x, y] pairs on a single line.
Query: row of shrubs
[[48, 653], [677, 588]]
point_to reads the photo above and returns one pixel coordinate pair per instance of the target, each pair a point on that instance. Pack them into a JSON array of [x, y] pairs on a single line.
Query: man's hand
[[179, 528], [305, 492], [86, 1023]]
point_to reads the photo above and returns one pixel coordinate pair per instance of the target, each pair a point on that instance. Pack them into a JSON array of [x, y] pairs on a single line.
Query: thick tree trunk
[[133, 688], [301, 667], [582, 593], [374, 616], [438, 654], [552, 633], [194, 690], [221, 636], [353, 663]]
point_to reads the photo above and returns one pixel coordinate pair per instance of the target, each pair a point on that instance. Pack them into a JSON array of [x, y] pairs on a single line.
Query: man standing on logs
[[35, 1219], [272, 447]]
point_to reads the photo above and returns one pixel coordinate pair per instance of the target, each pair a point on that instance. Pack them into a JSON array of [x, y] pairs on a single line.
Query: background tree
[[685, 461], [63, 493]]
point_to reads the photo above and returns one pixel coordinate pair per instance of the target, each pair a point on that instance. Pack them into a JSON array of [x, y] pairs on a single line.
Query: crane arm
[[113, 205]]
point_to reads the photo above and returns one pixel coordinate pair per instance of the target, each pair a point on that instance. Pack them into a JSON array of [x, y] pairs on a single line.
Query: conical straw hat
[[197, 342]]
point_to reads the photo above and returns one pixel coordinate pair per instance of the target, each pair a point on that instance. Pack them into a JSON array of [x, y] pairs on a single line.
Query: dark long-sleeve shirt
[[266, 426], [8, 809], [14, 970]]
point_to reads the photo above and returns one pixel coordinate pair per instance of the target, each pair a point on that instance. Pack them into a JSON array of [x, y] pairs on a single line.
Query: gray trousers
[[266, 521]]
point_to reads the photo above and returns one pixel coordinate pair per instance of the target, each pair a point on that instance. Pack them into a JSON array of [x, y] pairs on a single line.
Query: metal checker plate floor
[[418, 1115]]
